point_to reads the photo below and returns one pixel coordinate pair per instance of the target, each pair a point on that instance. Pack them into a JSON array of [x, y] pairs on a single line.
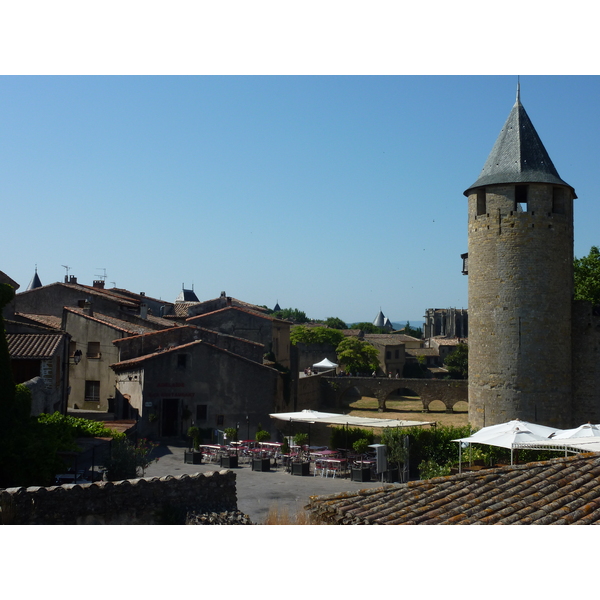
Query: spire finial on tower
[[518, 91]]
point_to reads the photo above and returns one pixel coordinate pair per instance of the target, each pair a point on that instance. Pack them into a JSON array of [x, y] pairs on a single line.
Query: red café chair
[[319, 468]]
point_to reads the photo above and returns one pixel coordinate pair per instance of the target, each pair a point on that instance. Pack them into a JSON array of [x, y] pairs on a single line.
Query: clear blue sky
[[337, 195]]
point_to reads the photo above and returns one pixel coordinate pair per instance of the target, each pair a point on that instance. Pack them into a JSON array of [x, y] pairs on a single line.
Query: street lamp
[[77, 357]]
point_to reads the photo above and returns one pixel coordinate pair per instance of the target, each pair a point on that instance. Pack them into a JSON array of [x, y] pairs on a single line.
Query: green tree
[[368, 328], [586, 272], [416, 332], [128, 460], [315, 335], [291, 314], [335, 323], [458, 362], [357, 355]]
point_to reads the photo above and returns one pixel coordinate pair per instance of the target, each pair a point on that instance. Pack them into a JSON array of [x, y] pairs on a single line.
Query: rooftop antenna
[[67, 275], [103, 277]]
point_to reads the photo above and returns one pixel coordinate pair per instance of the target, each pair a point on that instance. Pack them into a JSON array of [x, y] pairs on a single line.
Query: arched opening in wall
[[437, 406], [355, 399], [461, 407], [404, 400]]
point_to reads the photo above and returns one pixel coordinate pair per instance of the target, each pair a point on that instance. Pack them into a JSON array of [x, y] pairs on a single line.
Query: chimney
[[99, 284], [72, 279], [87, 308], [228, 300], [143, 310]]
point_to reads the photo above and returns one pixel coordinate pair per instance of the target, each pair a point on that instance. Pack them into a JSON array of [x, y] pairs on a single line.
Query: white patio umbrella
[[493, 430], [587, 430], [506, 435]]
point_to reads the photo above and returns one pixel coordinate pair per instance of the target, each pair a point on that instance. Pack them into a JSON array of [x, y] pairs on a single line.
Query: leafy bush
[[429, 469], [194, 433], [300, 439], [78, 427], [231, 433], [262, 436], [428, 445], [342, 437], [315, 335], [360, 446], [128, 459]]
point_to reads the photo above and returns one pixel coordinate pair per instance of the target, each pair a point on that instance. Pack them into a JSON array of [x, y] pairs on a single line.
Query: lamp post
[[77, 357], [247, 427]]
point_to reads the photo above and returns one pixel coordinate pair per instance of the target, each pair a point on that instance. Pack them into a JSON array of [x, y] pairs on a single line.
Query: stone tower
[[520, 282]]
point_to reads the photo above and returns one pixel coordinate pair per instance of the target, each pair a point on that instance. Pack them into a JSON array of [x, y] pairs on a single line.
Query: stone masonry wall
[[520, 291], [144, 501], [586, 364]]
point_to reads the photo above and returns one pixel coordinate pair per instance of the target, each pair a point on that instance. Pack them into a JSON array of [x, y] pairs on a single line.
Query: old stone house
[[92, 335], [39, 359], [272, 333], [391, 349], [197, 383]]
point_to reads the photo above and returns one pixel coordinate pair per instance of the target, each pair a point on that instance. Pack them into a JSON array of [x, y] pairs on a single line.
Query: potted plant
[[230, 460], [261, 464], [300, 466], [361, 473], [194, 455]]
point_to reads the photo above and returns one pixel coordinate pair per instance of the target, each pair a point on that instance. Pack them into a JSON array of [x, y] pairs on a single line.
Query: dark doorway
[[170, 417]]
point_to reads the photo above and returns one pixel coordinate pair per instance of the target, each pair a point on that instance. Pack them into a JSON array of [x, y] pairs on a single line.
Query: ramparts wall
[[144, 501]]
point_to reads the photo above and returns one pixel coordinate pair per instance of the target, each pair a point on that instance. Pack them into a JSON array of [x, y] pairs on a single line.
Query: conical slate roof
[[35, 282], [379, 320], [518, 156]]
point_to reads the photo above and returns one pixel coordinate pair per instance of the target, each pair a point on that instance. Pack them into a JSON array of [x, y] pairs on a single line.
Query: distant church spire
[[35, 281]]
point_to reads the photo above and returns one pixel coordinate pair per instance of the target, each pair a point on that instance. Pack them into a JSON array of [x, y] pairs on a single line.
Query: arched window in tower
[[521, 198]]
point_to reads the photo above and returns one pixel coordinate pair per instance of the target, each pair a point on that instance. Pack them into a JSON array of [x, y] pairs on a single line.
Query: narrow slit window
[[481, 203], [558, 201]]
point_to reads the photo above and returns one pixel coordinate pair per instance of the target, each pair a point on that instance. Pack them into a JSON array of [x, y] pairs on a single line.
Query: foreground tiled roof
[[561, 491], [33, 345]]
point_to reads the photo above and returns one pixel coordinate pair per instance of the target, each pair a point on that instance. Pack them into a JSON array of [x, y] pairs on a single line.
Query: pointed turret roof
[[518, 156], [379, 320], [35, 282]]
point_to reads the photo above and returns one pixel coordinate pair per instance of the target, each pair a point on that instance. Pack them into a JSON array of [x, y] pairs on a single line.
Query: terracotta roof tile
[[46, 320], [118, 324], [33, 345], [558, 491]]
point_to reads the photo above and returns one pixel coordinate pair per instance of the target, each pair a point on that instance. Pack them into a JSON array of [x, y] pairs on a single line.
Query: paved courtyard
[[258, 491]]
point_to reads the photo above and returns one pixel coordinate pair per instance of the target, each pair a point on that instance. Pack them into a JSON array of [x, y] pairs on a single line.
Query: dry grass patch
[[278, 515], [410, 408]]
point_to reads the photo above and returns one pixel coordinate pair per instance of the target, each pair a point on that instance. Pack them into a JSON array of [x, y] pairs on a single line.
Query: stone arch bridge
[[448, 391]]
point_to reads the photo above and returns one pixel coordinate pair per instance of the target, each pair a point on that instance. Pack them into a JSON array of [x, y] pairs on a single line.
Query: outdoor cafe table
[[325, 453], [335, 465], [212, 451]]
